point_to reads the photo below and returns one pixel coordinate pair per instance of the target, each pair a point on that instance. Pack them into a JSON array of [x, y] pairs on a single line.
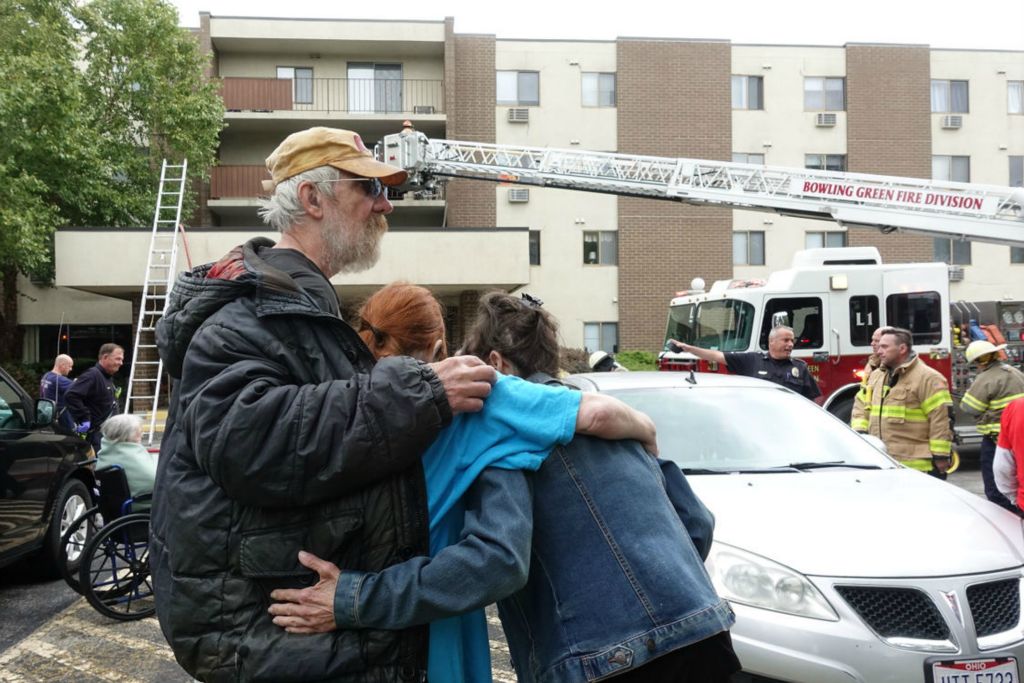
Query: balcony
[[233, 192], [334, 96]]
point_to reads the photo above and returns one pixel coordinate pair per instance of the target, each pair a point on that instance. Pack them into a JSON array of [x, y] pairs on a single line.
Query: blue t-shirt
[[519, 425]]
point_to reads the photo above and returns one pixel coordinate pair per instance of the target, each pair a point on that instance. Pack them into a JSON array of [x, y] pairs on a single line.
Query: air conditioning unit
[[952, 121], [956, 273], [518, 196], [825, 120], [519, 115], [423, 109]]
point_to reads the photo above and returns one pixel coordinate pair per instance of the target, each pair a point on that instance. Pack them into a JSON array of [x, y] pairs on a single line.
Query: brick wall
[[889, 130], [673, 100], [469, 102]]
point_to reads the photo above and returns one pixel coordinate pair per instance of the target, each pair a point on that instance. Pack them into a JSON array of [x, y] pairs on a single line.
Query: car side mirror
[[46, 410]]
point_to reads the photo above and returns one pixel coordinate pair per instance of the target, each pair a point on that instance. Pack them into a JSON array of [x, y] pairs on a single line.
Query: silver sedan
[[841, 564]]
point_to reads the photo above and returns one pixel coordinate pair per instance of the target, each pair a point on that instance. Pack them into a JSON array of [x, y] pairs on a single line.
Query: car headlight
[[749, 579]]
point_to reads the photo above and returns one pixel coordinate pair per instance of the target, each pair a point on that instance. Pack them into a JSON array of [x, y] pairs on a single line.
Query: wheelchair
[[105, 552]]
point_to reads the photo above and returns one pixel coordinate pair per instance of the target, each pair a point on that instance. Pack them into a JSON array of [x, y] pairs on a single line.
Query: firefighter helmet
[[978, 348]]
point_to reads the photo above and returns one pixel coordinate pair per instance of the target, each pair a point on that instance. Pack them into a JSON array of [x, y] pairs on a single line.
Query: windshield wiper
[[831, 463], [702, 470]]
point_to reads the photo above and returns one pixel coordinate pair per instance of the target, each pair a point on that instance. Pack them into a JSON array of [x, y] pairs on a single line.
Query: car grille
[[896, 612], [995, 606]]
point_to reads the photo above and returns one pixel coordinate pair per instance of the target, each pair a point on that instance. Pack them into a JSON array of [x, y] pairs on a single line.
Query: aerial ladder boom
[[982, 213]]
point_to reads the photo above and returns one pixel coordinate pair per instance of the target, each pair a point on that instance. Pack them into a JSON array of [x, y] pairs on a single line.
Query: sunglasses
[[374, 190]]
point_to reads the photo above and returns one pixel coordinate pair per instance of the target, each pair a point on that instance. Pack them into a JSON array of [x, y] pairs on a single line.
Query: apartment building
[[605, 266]]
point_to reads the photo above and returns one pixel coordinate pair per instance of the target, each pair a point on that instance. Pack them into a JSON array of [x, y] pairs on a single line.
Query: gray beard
[[353, 250]]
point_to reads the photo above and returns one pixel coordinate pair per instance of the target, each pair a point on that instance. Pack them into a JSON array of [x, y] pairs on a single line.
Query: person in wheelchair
[[122, 446]]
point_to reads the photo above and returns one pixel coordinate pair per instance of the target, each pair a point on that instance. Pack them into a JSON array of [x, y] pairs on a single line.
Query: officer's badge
[[795, 371]]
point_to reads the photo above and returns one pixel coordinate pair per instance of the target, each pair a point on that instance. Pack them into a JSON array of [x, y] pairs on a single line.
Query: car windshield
[[724, 325], [729, 429]]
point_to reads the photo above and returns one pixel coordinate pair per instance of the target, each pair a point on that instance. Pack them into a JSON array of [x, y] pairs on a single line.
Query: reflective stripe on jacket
[[911, 417], [859, 420], [991, 391]]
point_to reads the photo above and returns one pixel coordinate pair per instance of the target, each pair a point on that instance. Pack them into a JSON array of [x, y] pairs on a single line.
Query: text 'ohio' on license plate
[[995, 670]]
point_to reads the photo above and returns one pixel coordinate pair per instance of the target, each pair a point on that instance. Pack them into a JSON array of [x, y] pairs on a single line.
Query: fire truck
[[833, 298]]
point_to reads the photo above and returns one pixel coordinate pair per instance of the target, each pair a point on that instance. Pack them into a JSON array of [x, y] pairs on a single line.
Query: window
[[954, 168], [601, 337], [748, 248], [302, 79], [1017, 180], [803, 314], [374, 87], [601, 248], [12, 412], [817, 240], [747, 92], [748, 158], [825, 162], [954, 252], [598, 89], [825, 94], [949, 97], [681, 322], [521, 88], [535, 247], [724, 325], [1015, 97], [919, 312], [863, 319]]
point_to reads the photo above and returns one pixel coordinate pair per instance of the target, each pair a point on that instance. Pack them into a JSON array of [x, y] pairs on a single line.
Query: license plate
[[993, 670]]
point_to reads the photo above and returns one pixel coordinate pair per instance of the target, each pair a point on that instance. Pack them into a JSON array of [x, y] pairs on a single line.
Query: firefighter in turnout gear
[[907, 405], [995, 385]]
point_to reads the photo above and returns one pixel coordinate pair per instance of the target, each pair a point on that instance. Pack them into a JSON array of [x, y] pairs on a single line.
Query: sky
[[971, 24]]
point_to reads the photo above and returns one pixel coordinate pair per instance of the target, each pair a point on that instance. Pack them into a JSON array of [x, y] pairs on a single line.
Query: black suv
[[43, 486]]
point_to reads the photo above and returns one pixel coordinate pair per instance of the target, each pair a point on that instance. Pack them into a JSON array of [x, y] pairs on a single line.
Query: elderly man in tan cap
[[994, 387], [284, 434]]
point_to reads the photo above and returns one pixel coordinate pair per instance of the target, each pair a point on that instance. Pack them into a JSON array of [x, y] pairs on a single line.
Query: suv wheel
[[72, 501]]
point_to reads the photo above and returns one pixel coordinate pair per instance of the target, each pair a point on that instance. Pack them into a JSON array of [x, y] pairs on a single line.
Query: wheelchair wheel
[[72, 545], [114, 572]]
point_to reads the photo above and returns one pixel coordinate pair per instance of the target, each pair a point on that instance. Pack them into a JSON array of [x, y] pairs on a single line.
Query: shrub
[[637, 360]]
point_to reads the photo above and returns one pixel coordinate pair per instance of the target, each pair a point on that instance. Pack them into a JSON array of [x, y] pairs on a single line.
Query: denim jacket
[[616, 571], [616, 576]]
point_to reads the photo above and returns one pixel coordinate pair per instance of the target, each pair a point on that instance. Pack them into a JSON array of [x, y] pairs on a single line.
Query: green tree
[[93, 95]]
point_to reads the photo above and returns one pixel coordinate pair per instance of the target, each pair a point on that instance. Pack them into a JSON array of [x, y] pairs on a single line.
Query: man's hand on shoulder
[[308, 610], [467, 382]]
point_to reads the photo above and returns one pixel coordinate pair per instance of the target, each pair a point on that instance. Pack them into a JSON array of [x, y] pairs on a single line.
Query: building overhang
[[446, 260]]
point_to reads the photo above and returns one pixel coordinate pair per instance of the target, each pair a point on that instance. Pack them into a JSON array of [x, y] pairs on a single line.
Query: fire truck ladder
[[983, 213], [147, 368]]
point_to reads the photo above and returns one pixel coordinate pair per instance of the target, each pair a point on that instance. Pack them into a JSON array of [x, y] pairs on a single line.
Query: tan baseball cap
[[322, 146]]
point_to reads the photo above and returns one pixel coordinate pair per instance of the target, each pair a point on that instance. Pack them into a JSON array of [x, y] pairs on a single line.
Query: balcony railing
[[335, 95], [244, 182]]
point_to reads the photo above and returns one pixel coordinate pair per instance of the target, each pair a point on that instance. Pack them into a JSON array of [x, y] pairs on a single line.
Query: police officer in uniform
[[777, 365]]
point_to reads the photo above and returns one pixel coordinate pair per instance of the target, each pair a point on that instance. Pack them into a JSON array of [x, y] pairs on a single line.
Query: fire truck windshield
[[724, 325]]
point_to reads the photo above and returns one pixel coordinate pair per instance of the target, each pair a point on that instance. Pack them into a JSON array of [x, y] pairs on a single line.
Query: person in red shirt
[[1007, 466]]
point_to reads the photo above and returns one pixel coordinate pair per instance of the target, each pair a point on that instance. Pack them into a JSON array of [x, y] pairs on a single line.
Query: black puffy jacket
[[283, 435]]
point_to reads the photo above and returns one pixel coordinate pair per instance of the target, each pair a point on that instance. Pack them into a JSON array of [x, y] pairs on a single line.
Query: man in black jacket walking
[[285, 435], [93, 397]]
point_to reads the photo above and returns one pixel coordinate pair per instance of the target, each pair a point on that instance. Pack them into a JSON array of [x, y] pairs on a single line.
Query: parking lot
[[49, 634]]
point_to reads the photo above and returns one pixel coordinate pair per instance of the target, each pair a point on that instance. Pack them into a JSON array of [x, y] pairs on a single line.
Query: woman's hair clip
[[532, 300]]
